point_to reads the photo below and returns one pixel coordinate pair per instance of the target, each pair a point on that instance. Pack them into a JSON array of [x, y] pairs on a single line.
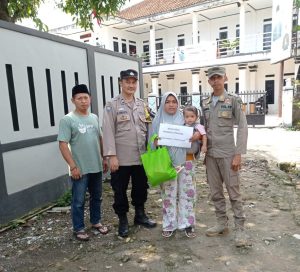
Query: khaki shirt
[[219, 122], [124, 130]]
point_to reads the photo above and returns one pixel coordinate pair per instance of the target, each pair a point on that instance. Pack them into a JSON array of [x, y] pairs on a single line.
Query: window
[[237, 87], [183, 94], [267, 29], [84, 36], [223, 36], [237, 36], [124, 46], [159, 49], [132, 48], [180, 40], [145, 56], [116, 44], [200, 87], [270, 87]]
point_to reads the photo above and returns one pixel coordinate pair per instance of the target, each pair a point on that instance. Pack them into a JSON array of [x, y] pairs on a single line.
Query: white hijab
[[177, 154]]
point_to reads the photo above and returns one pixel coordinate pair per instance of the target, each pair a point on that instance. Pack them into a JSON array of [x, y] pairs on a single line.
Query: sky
[[54, 17]]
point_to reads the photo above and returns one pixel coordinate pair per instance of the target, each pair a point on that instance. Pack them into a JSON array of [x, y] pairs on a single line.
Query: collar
[[123, 101], [221, 97]]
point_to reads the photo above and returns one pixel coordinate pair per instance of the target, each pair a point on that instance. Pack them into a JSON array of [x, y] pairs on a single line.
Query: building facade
[[179, 40]]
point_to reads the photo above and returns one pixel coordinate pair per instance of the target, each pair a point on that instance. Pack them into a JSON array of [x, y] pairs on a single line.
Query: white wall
[[22, 51], [36, 163]]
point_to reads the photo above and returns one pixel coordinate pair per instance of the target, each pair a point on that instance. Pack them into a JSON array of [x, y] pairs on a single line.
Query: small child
[[190, 114]]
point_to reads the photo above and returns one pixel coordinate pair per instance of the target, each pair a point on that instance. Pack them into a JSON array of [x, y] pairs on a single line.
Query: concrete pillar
[[195, 28], [252, 70], [242, 26], [170, 78], [287, 103], [195, 80], [154, 80], [242, 77], [152, 45]]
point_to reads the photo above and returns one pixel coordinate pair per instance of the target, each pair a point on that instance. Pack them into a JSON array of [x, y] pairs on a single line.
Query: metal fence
[[254, 104]]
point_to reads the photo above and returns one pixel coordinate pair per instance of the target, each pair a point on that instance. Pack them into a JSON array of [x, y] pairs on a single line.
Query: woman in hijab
[[169, 113]]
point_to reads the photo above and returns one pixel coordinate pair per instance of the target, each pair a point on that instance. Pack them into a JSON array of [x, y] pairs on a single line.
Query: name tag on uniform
[[229, 107], [122, 116], [225, 114]]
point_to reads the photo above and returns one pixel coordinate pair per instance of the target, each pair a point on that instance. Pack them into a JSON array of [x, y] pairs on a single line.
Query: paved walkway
[[281, 144]]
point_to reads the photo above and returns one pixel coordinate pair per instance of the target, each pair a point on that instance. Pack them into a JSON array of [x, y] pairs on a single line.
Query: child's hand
[[196, 136], [155, 142], [203, 149]]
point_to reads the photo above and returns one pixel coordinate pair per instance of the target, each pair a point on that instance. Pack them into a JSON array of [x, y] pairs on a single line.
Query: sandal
[[81, 235], [190, 232], [179, 169], [100, 229], [167, 233]]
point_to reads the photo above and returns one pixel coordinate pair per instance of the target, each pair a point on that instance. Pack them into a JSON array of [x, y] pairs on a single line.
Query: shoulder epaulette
[[233, 94], [140, 99]]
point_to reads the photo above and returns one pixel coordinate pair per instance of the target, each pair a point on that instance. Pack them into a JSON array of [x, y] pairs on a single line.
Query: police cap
[[129, 73]]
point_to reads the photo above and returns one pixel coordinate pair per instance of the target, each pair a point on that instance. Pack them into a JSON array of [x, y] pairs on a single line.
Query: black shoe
[[142, 219], [123, 226]]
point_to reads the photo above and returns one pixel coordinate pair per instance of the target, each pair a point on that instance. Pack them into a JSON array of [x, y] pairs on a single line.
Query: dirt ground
[[271, 203]]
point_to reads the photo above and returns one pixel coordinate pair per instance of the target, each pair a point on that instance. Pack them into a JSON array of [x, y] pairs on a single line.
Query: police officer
[[223, 158], [124, 140]]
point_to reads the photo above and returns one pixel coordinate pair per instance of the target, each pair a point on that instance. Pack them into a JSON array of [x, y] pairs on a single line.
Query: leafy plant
[[65, 199], [229, 44], [81, 10]]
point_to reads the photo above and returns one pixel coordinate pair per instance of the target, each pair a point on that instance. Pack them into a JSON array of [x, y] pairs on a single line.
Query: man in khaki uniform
[[124, 141], [223, 158]]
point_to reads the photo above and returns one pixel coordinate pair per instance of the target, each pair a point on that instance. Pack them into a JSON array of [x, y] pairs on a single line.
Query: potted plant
[[229, 46], [145, 58]]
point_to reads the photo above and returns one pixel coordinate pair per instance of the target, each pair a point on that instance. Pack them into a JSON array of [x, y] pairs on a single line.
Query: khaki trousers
[[218, 172]]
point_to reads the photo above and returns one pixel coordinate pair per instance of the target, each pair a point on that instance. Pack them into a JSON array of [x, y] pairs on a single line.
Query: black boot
[[123, 225], [142, 219]]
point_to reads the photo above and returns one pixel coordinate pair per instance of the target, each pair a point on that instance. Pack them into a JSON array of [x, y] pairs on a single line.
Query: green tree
[[81, 10]]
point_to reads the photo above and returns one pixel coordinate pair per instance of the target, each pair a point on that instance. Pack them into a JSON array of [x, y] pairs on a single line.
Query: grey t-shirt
[[83, 135]]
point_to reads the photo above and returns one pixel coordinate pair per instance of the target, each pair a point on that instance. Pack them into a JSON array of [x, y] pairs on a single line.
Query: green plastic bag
[[157, 164]]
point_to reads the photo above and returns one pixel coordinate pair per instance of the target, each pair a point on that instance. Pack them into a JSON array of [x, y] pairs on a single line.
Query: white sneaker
[[179, 169]]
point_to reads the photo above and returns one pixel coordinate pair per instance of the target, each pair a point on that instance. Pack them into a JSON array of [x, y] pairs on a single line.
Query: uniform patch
[[121, 117], [225, 114], [227, 101], [229, 107]]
